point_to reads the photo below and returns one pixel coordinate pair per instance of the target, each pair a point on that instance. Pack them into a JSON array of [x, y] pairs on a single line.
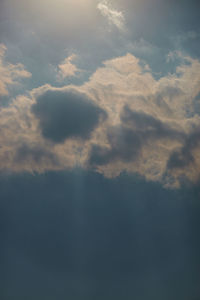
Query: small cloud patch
[[67, 68]]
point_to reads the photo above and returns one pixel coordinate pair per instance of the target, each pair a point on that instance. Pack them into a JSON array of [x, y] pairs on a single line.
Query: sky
[[99, 150]]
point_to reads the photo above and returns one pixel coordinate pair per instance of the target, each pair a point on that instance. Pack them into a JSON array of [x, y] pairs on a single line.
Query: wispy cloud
[[114, 17]]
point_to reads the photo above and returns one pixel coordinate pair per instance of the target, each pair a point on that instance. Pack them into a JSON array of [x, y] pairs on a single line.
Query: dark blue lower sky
[[76, 235]]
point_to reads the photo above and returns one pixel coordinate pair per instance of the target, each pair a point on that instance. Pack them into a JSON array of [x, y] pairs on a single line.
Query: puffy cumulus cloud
[[67, 69], [113, 16], [10, 74], [65, 114], [22, 149], [149, 119], [121, 119]]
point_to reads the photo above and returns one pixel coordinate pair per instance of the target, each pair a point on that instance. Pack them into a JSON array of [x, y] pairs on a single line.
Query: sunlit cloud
[[11, 74], [67, 68]]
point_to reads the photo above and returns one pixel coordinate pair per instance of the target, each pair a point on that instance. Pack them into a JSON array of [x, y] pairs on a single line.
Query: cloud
[[114, 17], [10, 74], [126, 141], [184, 162], [148, 118], [124, 145], [32, 155], [65, 114], [121, 119], [67, 68], [21, 147], [147, 124]]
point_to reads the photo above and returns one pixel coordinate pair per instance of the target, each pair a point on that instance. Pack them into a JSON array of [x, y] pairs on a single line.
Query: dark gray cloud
[[77, 235], [125, 144], [35, 154], [184, 157], [180, 159], [126, 141], [147, 124], [66, 114], [196, 104]]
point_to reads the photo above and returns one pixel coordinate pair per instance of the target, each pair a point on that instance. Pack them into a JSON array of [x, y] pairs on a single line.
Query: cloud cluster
[[121, 119], [150, 119], [10, 74]]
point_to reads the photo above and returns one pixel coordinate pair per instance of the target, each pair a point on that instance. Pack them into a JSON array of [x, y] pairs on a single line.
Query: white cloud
[[10, 74], [114, 17], [67, 68]]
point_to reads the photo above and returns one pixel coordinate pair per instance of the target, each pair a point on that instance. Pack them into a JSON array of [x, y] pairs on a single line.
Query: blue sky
[[99, 152]]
